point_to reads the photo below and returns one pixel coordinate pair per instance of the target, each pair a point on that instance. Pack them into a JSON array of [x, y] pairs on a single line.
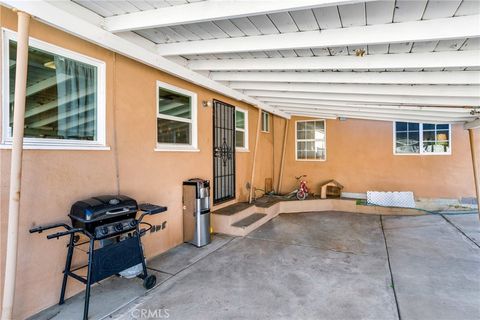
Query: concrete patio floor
[[325, 265]]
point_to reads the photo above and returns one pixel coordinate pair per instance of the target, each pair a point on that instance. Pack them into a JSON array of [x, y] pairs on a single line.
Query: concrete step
[[248, 221]]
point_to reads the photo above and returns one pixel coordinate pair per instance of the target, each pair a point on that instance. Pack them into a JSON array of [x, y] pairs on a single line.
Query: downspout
[[282, 163], [16, 164], [252, 188], [476, 177]]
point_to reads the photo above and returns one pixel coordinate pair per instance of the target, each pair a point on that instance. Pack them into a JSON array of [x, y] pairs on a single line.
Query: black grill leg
[[144, 266], [89, 279], [68, 264]]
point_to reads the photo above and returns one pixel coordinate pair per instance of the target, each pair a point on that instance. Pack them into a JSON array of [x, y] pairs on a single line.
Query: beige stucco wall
[[53, 179], [360, 156]]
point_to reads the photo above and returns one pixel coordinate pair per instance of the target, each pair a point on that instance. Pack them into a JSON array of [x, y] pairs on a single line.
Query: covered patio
[[311, 266], [327, 148]]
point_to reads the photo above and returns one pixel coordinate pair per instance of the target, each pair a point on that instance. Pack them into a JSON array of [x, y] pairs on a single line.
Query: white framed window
[[265, 121], [310, 140], [176, 118], [412, 138], [241, 129], [65, 99]]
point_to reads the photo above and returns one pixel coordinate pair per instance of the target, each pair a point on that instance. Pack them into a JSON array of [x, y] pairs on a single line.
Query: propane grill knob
[[119, 227], [133, 223], [104, 230]]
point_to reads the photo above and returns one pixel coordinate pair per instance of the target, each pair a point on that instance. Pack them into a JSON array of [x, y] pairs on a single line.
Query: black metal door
[[223, 151]]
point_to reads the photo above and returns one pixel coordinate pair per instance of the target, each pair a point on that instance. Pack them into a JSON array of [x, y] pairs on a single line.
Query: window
[[65, 99], [241, 129], [265, 121], [421, 138], [176, 119], [311, 140]]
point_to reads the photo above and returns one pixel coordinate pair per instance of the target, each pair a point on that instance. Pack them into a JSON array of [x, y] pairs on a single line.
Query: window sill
[[29, 146], [166, 149], [423, 154], [311, 160], [241, 150]]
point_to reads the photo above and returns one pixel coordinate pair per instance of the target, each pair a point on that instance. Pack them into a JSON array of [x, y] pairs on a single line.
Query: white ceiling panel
[[305, 20], [304, 52], [380, 12], [468, 7], [321, 51], [273, 54], [449, 45], [408, 10], [184, 32], [142, 5], [264, 24], [441, 9], [352, 15], [246, 26], [327, 18], [212, 29], [284, 22], [339, 51], [424, 46], [229, 28], [377, 48], [403, 47], [288, 53], [471, 44]]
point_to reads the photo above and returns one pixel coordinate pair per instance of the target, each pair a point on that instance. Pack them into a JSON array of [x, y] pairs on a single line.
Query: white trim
[[420, 138], [34, 146], [470, 91], [371, 77], [54, 144], [184, 148], [267, 115], [209, 11], [368, 98], [442, 59], [244, 130], [73, 24], [411, 31], [474, 124], [193, 146], [296, 140]]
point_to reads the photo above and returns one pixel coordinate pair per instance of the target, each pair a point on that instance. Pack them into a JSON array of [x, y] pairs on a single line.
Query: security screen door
[[223, 151]]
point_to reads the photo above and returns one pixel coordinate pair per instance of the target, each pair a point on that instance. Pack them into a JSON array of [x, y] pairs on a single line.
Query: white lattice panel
[[402, 199]]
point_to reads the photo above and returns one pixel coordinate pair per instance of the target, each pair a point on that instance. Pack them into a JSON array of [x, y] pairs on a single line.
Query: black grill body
[[105, 216], [98, 218]]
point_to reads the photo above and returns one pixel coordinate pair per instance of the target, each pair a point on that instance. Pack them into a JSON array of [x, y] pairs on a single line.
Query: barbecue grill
[[113, 219]]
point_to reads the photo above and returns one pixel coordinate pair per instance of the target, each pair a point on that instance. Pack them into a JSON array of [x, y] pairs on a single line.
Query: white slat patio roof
[[412, 60]]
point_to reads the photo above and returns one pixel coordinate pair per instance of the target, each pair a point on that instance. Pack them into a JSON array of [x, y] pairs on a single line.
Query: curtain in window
[[76, 90]]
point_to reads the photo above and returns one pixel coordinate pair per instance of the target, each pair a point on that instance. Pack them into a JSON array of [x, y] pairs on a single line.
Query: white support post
[[16, 165], [476, 178]]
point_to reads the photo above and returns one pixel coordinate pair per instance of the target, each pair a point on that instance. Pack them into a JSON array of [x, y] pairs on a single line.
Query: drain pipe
[[476, 178], [252, 187], [16, 164], [282, 163]]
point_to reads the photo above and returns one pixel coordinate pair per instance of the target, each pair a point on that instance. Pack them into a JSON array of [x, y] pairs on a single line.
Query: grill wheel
[[149, 282]]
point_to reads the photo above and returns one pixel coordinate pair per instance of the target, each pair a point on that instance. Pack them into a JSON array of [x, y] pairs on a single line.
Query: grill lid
[[102, 207]]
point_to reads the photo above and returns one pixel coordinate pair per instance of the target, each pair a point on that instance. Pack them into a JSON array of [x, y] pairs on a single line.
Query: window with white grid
[[310, 140]]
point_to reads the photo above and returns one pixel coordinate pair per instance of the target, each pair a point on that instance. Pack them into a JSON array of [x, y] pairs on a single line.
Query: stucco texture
[[359, 155], [53, 179]]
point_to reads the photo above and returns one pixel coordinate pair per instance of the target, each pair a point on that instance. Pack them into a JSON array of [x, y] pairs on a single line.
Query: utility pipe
[[16, 164], [282, 163], [476, 177], [252, 188]]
